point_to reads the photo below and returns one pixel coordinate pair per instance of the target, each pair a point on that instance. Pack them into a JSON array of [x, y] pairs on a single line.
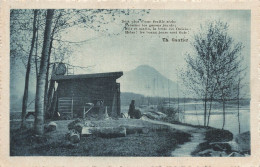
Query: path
[[185, 149]]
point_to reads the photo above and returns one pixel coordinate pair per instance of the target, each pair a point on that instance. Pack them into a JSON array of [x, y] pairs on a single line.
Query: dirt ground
[[160, 141]]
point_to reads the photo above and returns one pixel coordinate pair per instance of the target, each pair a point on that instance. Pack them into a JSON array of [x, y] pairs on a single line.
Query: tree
[[39, 101], [58, 46], [65, 20], [212, 67], [238, 94], [28, 69], [227, 65], [197, 75], [238, 102]]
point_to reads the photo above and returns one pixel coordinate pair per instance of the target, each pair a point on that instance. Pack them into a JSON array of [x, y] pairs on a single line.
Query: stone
[[221, 147], [52, 126], [213, 149], [205, 153], [235, 154], [243, 141]]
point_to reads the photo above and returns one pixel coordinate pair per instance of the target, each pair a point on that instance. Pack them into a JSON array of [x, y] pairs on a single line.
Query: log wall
[[84, 91]]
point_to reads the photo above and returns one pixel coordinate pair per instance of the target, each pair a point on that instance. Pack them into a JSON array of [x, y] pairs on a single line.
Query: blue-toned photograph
[[130, 82]]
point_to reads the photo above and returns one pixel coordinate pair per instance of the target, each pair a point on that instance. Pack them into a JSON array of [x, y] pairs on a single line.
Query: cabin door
[[65, 107]]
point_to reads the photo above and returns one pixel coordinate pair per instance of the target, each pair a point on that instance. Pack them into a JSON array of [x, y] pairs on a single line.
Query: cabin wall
[[87, 91]]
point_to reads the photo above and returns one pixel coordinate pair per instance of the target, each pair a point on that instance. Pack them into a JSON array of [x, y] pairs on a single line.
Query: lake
[[194, 115]]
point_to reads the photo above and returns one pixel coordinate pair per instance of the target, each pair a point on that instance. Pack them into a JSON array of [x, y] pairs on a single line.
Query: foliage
[[173, 114], [214, 66]]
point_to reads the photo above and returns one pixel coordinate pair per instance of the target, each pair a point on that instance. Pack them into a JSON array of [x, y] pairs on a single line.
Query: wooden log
[[74, 136], [106, 132], [135, 129]]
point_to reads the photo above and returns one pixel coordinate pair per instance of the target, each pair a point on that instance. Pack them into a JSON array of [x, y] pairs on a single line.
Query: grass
[[157, 142]]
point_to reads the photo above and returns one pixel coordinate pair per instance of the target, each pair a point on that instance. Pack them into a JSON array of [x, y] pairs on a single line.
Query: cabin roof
[[114, 75]]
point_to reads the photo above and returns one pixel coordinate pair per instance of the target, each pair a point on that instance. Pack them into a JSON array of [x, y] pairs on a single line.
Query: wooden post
[[114, 107], [84, 111], [72, 107], [118, 99], [53, 103]]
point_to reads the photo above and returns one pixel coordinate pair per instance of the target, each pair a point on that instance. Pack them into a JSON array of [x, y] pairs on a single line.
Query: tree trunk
[[27, 75], [107, 132], [39, 101], [210, 105], [47, 81], [238, 117], [50, 93], [197, 115], [224, 113], [46, 97], [36, 52], [205, 110], [238, 106]]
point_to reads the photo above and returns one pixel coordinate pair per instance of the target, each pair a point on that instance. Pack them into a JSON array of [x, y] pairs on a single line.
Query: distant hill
[[147, 81]]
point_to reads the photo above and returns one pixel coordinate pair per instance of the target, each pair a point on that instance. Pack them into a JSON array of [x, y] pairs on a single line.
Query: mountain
[[147, 81]]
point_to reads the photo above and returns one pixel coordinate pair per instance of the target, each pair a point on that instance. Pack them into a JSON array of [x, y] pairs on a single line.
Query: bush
[[75, 124], [136, 114], [171, 112], [218, 135]]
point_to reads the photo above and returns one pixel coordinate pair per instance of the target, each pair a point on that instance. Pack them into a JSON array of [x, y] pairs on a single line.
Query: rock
[[212, 149], [243, 141], [52, 126], [201, 147], [221, 147], [234, 145], [144, 117], [235, 154], [218, 135], [137, 114], [149, 116], [212, 153], [205, 153]]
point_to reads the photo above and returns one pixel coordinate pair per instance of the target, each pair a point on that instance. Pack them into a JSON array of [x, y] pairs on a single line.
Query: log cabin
[[74, 92]]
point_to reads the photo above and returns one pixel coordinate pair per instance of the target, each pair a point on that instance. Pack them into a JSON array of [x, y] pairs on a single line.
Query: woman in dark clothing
[[131, 109]]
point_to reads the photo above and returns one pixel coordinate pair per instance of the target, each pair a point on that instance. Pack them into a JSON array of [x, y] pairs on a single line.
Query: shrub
[[218, 135], [171, 112]]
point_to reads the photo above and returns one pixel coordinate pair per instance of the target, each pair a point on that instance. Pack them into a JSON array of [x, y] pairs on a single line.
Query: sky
[[125, 52]]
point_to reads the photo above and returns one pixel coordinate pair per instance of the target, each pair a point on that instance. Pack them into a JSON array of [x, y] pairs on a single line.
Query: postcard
[[143, 83]]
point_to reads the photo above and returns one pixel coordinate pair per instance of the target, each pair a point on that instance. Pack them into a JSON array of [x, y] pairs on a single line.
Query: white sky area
[[125, 52]]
